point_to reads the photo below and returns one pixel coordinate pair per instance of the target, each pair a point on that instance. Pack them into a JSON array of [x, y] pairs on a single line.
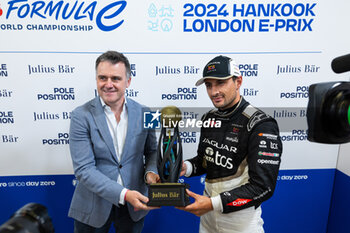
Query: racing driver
[[241, 158]]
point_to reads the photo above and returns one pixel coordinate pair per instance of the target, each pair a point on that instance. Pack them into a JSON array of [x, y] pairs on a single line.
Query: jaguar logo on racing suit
[[220, 146]]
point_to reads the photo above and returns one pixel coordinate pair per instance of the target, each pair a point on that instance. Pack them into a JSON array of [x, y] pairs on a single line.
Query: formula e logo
[[77, 10], [151, 120], [239, 202]]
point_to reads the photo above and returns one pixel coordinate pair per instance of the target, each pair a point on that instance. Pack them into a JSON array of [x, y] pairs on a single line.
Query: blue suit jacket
[[96, 166]]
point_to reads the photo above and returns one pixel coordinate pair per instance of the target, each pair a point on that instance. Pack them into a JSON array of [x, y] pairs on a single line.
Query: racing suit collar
[[232, 109]]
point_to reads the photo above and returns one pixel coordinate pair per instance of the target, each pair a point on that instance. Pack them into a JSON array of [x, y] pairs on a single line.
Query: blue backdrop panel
[[339, 214], [54, 192], [300, 203]]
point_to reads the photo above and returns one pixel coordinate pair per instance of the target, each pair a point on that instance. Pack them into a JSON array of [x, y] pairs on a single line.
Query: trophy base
[[168, 194]]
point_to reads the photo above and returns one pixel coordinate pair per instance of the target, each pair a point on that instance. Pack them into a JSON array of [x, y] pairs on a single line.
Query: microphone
[[341, 64]]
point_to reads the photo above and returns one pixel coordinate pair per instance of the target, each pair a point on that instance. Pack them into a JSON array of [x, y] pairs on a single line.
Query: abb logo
[[239, 202]]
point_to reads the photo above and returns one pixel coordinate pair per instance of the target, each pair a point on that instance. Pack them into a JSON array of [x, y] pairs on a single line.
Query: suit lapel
[[100, 119], [133, 125]]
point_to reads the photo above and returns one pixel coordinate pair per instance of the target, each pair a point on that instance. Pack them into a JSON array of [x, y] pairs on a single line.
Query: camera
[[31, 218], [328, 110]]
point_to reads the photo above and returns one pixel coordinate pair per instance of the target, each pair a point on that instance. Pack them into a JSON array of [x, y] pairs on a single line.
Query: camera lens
[[31, 218], [336, 112]]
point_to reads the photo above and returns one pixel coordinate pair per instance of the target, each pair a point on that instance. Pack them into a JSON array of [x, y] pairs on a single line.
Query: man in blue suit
[[113, 155]]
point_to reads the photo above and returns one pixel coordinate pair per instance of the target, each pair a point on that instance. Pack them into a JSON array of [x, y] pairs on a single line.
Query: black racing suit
[[248, 140]]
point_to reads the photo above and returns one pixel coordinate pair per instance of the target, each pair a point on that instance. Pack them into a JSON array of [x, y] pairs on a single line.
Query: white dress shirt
[[118, 132]]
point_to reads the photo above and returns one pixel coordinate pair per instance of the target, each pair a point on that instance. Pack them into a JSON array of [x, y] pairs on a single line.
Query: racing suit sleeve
[[263, 158]]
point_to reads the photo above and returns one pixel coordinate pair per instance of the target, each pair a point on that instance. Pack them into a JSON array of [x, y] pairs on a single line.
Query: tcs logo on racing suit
[[217, 159]]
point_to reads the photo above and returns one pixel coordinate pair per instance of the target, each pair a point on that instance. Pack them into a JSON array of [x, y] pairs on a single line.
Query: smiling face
[[111, 82], [223, 93]]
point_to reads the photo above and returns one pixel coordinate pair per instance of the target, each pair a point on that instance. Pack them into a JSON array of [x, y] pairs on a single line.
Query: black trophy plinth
[[169, 162], [168, 194]]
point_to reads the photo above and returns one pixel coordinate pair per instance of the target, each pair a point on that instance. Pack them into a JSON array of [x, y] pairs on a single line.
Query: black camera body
[[31, 218], [328, 112]]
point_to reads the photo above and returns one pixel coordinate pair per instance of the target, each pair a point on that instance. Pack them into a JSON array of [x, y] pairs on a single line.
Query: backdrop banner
[[47, 68]]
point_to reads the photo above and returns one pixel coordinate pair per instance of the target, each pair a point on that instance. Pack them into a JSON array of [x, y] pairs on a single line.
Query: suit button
[[120, 166]]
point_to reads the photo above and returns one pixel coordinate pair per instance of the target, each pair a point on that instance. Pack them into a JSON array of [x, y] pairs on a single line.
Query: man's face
[[223, 93], [111, 82]]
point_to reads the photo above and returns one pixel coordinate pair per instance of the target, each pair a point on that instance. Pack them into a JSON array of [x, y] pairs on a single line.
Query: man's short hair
[[114, 57]]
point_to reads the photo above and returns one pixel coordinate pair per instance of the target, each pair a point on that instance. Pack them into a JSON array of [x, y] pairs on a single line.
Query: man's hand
[[137, 200], [183, 169], [200, 206], [152, 178]]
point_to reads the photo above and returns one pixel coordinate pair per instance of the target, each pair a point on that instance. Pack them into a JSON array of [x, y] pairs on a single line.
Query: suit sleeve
[[264, 157], [84, 162]]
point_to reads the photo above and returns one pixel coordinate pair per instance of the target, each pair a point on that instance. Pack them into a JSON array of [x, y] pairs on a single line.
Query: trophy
[[169, 162]]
